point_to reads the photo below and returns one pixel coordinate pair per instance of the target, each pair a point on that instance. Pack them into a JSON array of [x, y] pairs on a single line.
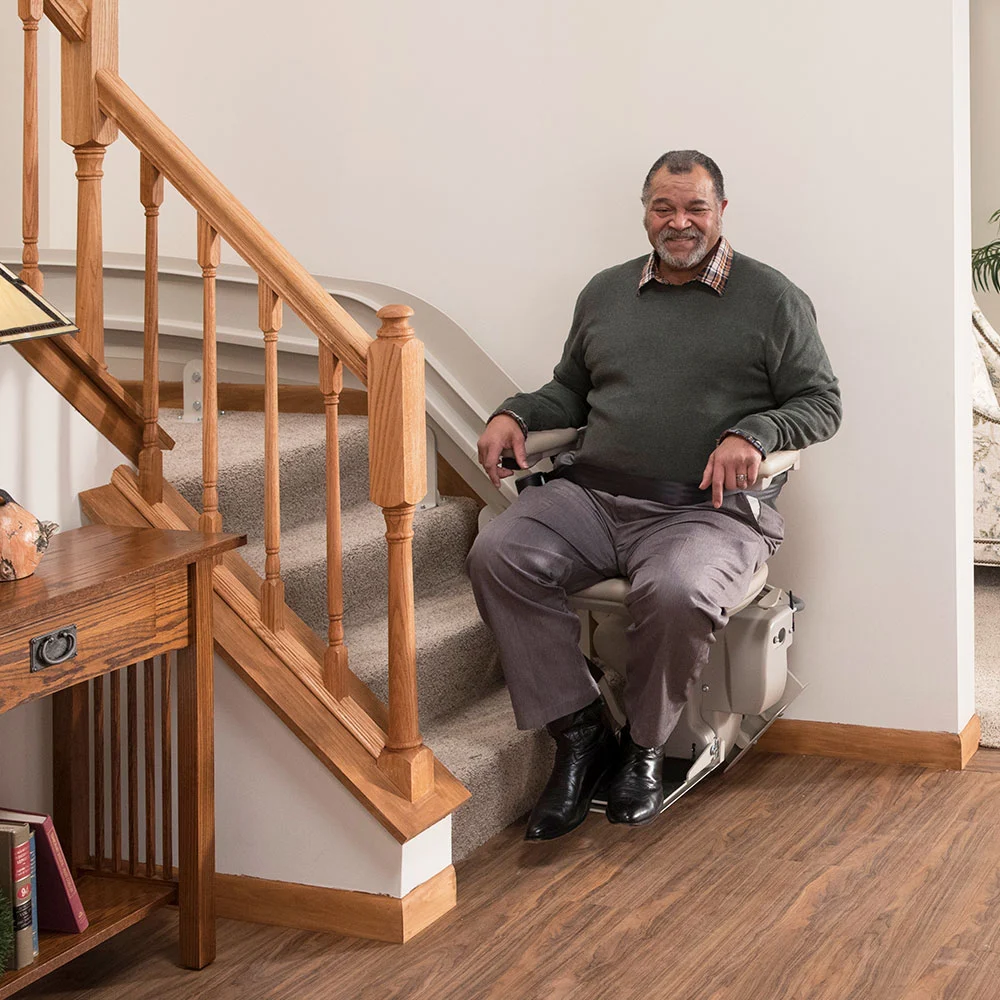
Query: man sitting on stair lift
[[685, 369]]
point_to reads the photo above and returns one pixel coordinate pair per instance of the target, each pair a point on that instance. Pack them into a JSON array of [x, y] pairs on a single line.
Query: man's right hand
[[501, 432]]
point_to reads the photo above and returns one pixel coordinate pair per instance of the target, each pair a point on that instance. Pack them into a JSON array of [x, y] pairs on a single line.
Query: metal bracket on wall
[[191, 381], [431, 499]]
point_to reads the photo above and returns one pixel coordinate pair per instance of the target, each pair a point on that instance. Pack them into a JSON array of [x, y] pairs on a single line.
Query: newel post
[[89, 131], [398, 481]]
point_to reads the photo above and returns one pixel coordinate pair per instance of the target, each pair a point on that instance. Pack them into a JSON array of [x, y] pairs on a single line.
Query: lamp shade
[[24, 313]]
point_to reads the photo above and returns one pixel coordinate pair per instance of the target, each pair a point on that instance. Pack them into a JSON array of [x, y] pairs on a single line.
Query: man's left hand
[[732, 466]]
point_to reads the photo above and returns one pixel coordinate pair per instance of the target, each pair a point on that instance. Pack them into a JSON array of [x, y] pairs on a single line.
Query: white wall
[[489, 160], [985, 64]]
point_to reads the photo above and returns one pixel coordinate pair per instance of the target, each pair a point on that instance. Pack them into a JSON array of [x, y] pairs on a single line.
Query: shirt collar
[[714, 272]]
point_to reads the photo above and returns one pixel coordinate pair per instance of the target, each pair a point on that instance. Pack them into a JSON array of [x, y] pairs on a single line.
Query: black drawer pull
[[54, 648]]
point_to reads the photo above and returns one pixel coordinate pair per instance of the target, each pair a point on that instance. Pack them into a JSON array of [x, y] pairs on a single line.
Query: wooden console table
[[132, 594]]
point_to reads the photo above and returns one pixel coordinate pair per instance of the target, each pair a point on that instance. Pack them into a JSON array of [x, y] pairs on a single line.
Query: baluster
[[151, 457], [398, 480], [115, 679], [331, 381], [89, 250], [208, 259], [149, 758], [98, 685], [30, 12], [272, 591], [166, 770], [132, 687]]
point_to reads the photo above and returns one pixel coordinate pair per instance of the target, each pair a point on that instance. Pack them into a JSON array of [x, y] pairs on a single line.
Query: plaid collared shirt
[[714, 272]]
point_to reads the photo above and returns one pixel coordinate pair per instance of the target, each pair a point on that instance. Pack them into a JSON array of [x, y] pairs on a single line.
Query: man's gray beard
[[695, 256]]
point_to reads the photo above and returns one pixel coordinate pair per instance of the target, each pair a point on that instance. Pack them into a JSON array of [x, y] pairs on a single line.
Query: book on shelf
[[34, 893], [59, 906], [15, 878]]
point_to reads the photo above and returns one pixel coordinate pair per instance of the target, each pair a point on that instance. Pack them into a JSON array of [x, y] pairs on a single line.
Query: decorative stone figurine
[[23, 539]]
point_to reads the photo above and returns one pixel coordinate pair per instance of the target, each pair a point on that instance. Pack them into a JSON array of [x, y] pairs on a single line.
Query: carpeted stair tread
[[441, 536], [456, 656], [302, 468], [505, 768]]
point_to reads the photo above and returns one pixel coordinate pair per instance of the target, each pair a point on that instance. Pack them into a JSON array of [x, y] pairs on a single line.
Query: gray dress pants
[[685, 563]]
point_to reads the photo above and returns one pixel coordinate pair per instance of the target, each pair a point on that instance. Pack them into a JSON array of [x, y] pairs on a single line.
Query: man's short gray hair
[[683, 161]]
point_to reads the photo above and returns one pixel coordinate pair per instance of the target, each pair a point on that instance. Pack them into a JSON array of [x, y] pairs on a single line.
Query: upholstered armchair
[[986, 440]]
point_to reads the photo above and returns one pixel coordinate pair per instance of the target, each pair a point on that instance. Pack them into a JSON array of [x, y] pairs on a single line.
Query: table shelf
[[111, 904]]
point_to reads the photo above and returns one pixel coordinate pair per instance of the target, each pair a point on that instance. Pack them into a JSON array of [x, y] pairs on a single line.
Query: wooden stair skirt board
[[338, 911], [950, 751]]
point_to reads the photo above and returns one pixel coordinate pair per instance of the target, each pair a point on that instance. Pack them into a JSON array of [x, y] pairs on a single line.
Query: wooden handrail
[[290, 281]]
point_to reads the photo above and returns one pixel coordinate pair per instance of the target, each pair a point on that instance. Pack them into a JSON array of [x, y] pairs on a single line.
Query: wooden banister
[[90, 250], [291, 282], [151, 458], [398, 481], [96, 103], [272, 591], [209, 252], [331, 382], [30, 12]]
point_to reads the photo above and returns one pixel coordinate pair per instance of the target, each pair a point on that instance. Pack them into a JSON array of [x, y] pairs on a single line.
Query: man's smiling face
[[683, 217]]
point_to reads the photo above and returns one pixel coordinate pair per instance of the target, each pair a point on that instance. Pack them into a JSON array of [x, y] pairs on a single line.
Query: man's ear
[[722, 207]]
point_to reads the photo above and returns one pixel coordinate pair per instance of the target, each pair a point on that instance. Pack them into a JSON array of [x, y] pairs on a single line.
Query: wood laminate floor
[[793, 877]]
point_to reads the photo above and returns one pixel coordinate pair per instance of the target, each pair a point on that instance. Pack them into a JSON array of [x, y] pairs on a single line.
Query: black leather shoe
[[635, 795], [586, 750]]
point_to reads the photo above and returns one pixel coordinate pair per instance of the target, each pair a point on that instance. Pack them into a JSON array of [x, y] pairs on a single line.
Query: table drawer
[[144, 620]]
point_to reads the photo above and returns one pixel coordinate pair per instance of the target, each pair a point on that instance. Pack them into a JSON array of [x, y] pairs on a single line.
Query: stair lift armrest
[[542, 444], [539, 445], [774, 465]]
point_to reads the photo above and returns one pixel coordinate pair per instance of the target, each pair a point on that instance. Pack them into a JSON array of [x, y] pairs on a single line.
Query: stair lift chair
[[746, 683]]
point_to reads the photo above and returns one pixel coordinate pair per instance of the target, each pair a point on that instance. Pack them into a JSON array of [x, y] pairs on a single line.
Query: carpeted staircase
[[465, 714]]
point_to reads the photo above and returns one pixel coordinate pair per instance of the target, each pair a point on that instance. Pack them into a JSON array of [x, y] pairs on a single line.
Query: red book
[[59, 906]]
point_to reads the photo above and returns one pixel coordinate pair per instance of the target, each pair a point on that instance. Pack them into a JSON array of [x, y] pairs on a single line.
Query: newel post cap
[[394, 319]]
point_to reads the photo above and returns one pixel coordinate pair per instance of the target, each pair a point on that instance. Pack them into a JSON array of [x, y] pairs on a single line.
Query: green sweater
[[657, 376]]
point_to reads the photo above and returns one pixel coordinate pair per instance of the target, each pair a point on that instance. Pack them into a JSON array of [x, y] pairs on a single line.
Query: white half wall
[[282, 815], [489, 159]]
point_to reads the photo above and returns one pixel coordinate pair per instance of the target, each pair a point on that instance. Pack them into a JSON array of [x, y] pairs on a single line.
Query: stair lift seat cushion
[[609, 595]]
